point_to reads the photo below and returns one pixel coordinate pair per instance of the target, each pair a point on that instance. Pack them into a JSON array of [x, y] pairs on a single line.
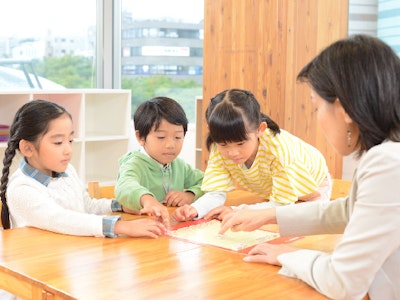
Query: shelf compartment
[[101, 160], [9, 104], [107, 114]]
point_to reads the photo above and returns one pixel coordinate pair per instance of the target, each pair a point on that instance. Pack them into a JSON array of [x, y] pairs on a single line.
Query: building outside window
[[162, 50]]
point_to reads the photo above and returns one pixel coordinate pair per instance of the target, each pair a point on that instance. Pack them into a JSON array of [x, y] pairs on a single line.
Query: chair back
[[98, 191]]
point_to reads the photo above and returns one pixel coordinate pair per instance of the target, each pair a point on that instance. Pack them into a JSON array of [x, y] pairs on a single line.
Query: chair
[[98, 191], [340, 188]]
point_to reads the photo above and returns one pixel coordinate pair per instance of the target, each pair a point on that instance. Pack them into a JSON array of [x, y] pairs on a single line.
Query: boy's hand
[[152, 207], [184, 213], [178, 198], [218, 213], [130, 211]]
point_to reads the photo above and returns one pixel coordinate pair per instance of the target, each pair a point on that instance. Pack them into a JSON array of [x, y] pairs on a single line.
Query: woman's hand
[[268, 253], [247, 219]]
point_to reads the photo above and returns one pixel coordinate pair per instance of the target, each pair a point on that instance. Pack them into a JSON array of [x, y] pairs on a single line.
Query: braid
[[7, 161], [12, 146]]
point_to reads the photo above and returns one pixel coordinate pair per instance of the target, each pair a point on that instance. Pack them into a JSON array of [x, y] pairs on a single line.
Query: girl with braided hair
[[46, 192]]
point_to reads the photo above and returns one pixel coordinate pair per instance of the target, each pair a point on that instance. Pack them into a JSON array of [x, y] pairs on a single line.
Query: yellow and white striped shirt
[[284, 169]]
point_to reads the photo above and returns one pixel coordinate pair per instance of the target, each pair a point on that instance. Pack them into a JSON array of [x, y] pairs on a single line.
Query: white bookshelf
[[101, 123]]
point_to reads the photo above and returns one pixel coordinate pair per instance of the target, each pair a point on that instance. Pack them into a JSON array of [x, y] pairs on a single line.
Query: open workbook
[[206, 233]]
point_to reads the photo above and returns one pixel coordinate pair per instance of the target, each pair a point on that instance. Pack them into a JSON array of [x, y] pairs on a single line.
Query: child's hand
[[130, 211], [178, 198], [152, 207], [218, 213], [248, 219], [140, 228], [268, 253], [184, 213]]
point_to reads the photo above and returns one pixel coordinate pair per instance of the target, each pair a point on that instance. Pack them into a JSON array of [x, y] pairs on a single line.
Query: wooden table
[[36, 264]]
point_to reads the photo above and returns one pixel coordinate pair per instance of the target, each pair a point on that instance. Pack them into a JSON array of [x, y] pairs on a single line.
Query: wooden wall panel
[[312, 26], [261, 45]]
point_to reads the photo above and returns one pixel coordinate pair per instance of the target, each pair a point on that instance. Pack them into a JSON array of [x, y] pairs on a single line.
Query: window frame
[[108, 36]]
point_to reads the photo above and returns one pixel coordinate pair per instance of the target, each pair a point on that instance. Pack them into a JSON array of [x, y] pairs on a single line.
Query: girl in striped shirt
[[249, 150]]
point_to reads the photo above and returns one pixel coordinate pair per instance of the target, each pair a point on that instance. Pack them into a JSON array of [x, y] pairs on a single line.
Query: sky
[[27, 18], [33, 18], [185, 10]]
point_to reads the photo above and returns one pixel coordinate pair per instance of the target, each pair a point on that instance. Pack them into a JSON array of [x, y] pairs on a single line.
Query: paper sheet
[[207, 233]]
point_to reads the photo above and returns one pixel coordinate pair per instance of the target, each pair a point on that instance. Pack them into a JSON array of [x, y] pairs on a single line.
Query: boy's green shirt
[[139, 174]]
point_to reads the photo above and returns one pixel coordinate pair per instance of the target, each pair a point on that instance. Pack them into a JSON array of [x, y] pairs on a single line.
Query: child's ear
[[139, 139], [26, 148], [263, 126]]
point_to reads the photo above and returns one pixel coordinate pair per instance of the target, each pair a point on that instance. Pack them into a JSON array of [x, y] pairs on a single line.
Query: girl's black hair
[[151, 112], [364, 74], [231, 114], [30, 123]]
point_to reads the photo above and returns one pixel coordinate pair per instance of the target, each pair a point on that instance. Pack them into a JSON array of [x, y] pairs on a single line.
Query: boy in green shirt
[[154, 175]]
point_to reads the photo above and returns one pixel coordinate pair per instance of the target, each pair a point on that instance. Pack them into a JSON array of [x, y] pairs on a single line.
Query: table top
[[144, 268]]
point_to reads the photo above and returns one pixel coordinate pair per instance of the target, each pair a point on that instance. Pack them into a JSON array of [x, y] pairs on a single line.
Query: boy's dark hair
[[151, 112], [364, 74], [231, 114], [30, 123]]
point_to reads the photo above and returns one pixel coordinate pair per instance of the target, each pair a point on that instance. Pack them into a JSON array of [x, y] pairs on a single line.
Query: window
[[380, 18], [162, 50], [162, 55], [56, 39]]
